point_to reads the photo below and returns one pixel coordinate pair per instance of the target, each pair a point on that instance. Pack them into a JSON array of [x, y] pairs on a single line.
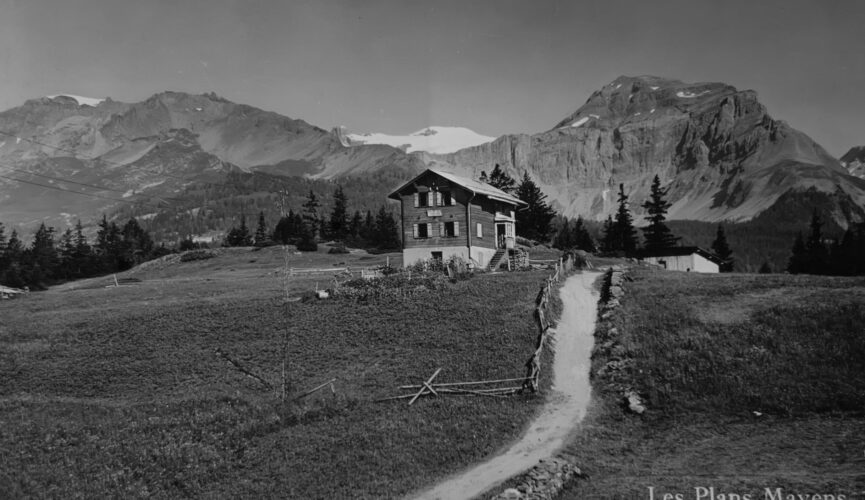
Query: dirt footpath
[[566, 403]]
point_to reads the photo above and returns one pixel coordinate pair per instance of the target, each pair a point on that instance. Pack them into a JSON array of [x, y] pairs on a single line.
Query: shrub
[[338, 248], [197, 255], [396, 285]]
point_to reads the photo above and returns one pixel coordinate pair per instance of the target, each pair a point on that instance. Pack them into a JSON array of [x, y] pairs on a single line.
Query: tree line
[[309, 226], [818, 254], [50, 258], [619, 234]]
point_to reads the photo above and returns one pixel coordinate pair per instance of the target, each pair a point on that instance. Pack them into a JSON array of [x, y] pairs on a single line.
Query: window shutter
[[456, 228], [415, 226], [416, 203], [441, 228], [480, 230], [453, 200], [439, 199]]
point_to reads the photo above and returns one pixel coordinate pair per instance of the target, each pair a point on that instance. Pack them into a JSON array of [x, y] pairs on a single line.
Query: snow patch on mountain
[[581, 121], [683, 94], [436, 140], [82, 101]]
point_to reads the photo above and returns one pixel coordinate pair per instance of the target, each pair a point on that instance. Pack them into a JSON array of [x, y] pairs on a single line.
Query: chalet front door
[[501, 235]]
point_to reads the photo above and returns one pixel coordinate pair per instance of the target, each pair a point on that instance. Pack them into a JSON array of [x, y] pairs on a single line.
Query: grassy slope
[[707, 352], [116, 392]]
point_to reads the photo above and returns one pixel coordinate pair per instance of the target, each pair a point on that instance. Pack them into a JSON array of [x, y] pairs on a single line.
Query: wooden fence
[[533, 366]]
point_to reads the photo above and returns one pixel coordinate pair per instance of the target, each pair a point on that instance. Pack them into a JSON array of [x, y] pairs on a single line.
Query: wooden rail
[[533, 365]]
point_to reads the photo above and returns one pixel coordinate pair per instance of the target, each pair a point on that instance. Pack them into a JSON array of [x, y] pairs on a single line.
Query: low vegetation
[[751, 382], [119, 391]]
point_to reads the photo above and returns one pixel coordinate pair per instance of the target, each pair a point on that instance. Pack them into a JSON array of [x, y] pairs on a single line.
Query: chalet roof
[[476, 187], [680, 251]]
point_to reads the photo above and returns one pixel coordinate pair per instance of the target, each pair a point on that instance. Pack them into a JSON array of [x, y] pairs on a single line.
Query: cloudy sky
[[395, 66]]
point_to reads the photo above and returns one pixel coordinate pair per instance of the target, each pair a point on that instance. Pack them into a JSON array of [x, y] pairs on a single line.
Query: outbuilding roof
[[679, 251], [476, 187]]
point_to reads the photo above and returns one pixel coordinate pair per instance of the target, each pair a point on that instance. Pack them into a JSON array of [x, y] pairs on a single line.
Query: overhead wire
[[92, 195]]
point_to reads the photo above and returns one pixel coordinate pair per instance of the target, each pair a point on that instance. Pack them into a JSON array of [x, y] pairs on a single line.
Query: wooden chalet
[[445, 215]]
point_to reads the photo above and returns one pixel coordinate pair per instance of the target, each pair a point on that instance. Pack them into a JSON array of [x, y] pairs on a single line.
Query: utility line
[[78, 192], [103, 188]]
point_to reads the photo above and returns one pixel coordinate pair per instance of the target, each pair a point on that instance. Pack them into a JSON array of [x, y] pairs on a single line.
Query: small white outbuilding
[[693, 259]]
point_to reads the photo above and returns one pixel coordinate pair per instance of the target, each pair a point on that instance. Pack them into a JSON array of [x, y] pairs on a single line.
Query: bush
[[402, 284], [338, 248], [197, 255]]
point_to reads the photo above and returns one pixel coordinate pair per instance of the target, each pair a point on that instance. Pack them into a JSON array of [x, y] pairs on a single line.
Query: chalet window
[[480, 230], [437, 256], [448, 229], [422, 199], [421, 230], [445, 199]]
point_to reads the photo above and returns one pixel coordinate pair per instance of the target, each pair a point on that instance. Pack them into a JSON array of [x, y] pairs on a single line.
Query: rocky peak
[[854, 161], [715, 147]]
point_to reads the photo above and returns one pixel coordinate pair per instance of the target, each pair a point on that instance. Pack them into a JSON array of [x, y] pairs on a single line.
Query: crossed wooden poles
[[432, 389]]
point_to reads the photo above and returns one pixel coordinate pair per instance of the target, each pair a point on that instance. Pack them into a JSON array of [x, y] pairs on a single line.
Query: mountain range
[[716, 149]]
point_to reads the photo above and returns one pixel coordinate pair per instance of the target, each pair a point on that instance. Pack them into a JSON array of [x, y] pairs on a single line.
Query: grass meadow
[[117, 392], [751, 382]]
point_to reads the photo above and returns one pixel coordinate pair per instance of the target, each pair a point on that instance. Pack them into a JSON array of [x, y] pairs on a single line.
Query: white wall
[[480, 256], [693, 262]]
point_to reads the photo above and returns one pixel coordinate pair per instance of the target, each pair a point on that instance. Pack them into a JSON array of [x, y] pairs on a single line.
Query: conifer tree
[[533, 221], [580, 237], [798, 258], [816, 253], [501, 180], [620, 235], [43, 255], [484, 177], [658, 236], [387, 234], [239, 236], [563, 239], [310, 214], [722, 250], [338, 225], [262, 237], [355, 227]]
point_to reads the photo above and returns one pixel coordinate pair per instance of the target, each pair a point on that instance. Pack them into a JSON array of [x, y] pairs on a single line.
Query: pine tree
[[563, 239], [483, 177], [310, 214], [338, 225], [355, 227], [239, 236], [262, 237], [798, 258], [2, 248], [67, 267], [608, 241], [368, 231], [765, 268], [387, 234], [620, 235], [44, 260], [533, 221], [12, 274], [136, 244], [722, 250], [658, 236], [580, 237], [817, 255], [83, 255], [501, 180]]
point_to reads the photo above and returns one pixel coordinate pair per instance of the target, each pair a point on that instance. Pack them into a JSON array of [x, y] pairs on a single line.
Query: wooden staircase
[[498, 257]]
